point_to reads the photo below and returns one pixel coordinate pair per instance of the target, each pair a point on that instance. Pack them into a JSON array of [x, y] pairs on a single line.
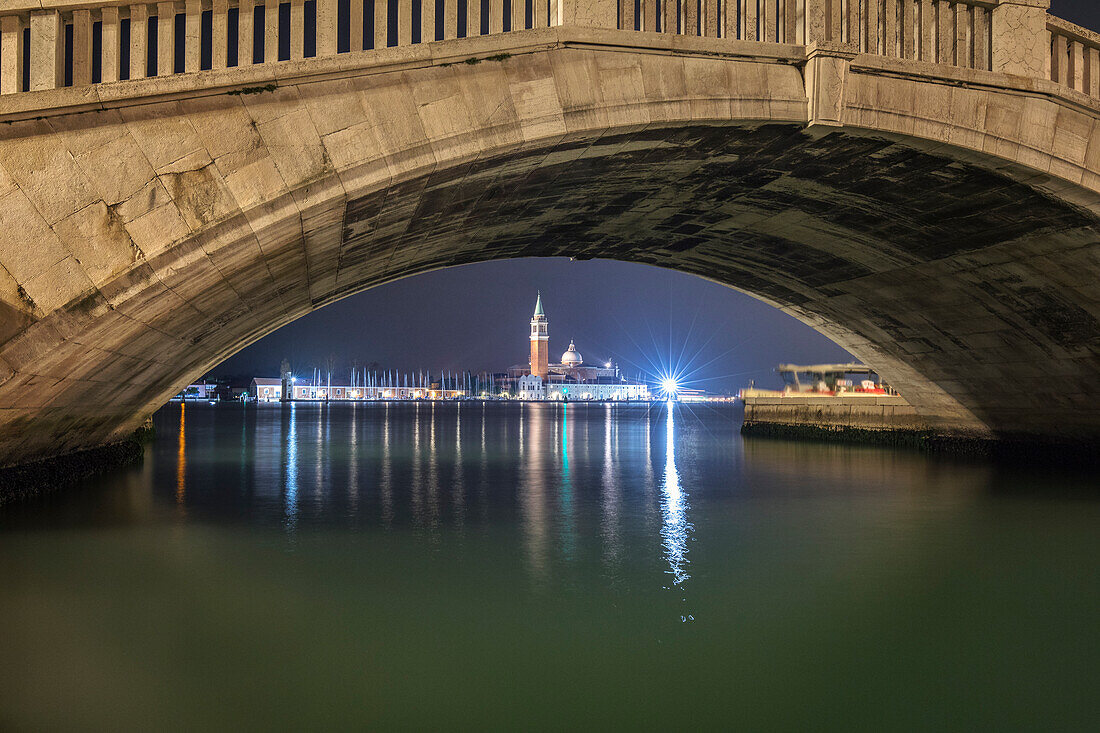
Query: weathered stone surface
[[945, 229]]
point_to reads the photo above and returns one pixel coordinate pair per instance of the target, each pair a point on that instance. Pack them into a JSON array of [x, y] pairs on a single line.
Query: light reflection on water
[[498, 565], [677, 529]]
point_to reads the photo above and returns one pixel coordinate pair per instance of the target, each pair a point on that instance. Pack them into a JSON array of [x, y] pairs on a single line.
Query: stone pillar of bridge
[[1021, 42]]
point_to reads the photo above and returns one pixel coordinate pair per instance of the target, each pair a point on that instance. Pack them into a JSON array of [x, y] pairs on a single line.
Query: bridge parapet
[[1074, 56], [45, 44]]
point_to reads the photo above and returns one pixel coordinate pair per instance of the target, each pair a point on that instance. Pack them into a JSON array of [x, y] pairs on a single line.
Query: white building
[[530, 387], [590, 391], [264, 389]]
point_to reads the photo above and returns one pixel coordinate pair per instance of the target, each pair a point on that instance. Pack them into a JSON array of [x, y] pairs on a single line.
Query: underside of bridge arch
[[969, 287]]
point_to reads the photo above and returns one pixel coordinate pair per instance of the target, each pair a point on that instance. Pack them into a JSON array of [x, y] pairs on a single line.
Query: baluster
[[649, 15], [109, 37], [963, 36], [166, 27], [927, 24], [856, 13], [1092, 72], [626, 15], [473, 18], [245, 29], [271, 31], [427, 21], [139, 41], [404, 22], [82, 47], [982, 31], [669, 16], [450, 19], [381, 23], [355, 25], [519, 15], [540, 10], [872, 42], [297, 30], [835, 29], [11, 54], [1077, 66], [219, 34], [327, 18], [691, 17], [945, 34], [791, 22], [192, 41], [712, 22], [496, 16], [1058, 60], [749, 21], [47, 50]]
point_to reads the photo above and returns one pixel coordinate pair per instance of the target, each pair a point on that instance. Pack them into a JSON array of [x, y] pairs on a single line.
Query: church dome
[[572, 357]]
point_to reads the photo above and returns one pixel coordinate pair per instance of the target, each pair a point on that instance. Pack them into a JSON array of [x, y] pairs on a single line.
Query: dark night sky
[[476, 317]]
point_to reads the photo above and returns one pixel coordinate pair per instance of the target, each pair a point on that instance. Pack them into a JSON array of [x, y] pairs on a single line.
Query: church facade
[[570, 378]]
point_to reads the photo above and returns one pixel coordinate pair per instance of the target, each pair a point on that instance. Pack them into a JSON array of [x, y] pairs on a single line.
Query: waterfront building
[[264, 389], [197, 391]]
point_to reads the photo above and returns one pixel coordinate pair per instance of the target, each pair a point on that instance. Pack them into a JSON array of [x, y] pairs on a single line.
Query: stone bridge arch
[[939, 222]]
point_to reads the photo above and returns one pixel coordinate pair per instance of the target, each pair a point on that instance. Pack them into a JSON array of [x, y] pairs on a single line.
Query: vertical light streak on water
[[290, 479], [483, 481], [386, 487], [353, 460], [417, 483], [433, 475], [532, 497], [320, 484], [181, 459], [609, 526], [458, 482], [522, 419], [676, 529], [565, 495], [650, 484], [244, 455]]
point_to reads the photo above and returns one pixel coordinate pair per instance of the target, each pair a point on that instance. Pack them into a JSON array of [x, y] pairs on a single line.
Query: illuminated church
[[570, 378]]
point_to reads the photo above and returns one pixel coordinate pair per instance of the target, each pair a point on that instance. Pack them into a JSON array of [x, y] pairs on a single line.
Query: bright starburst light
[[669, 387]]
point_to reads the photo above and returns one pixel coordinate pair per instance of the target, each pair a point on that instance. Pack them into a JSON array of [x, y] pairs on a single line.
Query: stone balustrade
[[55, 43], [1074, 56]]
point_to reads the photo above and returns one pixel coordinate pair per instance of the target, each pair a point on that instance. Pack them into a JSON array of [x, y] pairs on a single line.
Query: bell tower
[[540, 342]]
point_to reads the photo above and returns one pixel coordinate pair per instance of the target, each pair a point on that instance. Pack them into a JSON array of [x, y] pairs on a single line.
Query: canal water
[[508, 566]]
